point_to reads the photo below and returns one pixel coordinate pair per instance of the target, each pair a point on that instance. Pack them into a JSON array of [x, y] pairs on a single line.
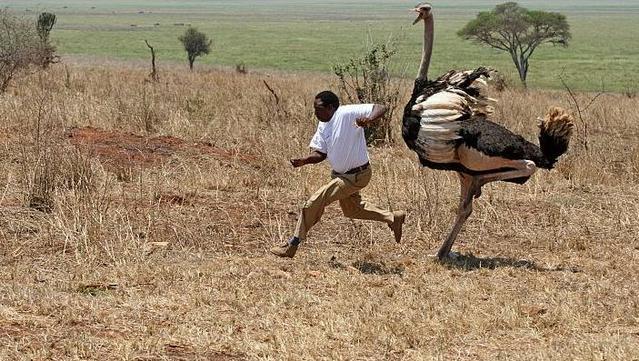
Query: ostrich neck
[[428, 48]]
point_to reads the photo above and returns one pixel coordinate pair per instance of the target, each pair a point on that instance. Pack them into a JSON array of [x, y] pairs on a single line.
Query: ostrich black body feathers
[[496, 141], [473, 129]]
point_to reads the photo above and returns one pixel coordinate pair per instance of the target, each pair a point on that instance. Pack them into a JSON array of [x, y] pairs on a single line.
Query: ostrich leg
[[469, 187], [523, 168]]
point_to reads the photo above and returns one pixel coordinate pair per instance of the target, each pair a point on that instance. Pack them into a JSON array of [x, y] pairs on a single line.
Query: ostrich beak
[[419, 16]]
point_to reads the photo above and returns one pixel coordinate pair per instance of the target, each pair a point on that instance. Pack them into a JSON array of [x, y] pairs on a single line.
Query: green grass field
[[310, 35]]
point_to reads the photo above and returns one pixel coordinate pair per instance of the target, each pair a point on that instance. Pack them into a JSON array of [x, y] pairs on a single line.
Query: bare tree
[[154, 74], [20, 47]]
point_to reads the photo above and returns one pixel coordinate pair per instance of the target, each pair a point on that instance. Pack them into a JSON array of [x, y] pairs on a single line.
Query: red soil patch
[[128, 149]]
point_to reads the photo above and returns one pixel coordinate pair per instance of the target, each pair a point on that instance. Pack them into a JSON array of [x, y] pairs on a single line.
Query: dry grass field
[[135, 220]]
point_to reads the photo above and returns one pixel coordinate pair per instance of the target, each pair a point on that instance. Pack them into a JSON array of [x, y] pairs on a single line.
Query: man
[[340, 138]]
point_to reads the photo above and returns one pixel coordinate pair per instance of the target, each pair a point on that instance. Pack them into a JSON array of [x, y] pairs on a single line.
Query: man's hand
[[314, 157], [297, 162], [377, 112], [363, 122]]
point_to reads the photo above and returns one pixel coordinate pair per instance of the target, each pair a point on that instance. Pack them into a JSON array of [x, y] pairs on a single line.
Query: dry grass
[[150, 238]]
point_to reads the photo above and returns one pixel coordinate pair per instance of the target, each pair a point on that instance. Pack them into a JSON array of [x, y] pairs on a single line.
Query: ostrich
[[445, 123]]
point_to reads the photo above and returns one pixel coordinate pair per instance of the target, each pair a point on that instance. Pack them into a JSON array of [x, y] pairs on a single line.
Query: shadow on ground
[[368, 267], [470, 262]]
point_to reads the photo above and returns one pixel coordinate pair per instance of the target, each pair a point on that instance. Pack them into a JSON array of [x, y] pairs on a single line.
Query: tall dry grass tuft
[[134, 219]]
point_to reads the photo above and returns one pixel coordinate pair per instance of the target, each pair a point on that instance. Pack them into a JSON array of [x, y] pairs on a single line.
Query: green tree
[[518, 31], [44, 25], [195, 44]]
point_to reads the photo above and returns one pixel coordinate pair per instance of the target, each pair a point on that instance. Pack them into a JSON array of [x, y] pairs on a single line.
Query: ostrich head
[[423, 11]]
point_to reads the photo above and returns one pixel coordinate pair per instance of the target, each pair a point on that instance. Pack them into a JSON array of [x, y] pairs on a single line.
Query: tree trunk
[[522, 69], [191, 61], [522, 75]]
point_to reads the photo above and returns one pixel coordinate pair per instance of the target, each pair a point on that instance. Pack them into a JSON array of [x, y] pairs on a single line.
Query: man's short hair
[[328, 98]]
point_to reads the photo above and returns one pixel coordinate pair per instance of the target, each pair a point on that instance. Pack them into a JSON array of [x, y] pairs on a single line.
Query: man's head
[[326, 103]]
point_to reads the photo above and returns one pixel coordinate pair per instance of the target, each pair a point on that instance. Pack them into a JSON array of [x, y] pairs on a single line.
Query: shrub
[[366, 79], [20, 47], [241, 68]]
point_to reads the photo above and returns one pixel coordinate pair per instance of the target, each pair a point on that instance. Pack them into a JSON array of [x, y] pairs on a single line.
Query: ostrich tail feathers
[[558, 123], [555, 131]]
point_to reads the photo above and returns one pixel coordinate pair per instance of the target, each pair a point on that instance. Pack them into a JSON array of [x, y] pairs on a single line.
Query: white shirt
[[341, 139]]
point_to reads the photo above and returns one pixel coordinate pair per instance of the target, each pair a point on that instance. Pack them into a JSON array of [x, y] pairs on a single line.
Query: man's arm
[[314, 157], [377, 112]]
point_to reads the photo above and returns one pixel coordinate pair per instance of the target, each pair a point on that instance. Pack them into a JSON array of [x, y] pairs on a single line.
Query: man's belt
[[357, 169]]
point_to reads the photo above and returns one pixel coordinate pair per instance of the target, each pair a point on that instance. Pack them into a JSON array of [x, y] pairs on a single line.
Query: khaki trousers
[[345, 189]]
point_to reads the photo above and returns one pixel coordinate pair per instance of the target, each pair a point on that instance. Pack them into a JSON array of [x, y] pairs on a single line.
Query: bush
[[20, 47], [500, 82], [366, 79], [241, 68]]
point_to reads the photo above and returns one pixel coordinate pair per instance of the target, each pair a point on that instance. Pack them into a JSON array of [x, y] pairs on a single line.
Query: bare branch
[[580, 111], [277, 99], [154, 74]]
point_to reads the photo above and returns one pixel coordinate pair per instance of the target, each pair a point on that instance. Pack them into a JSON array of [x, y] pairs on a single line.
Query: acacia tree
[[518, 31], [195, 43], [20, 47]]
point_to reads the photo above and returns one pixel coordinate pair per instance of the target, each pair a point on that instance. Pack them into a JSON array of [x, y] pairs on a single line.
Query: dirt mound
[[127, 149]]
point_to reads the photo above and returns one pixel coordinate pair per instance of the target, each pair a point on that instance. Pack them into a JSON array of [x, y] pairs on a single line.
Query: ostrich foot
[[476, 190], [450, 256], [453, 256]]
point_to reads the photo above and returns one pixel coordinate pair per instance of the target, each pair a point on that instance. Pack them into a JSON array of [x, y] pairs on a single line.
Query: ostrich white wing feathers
[[441, 108], [439, 124]]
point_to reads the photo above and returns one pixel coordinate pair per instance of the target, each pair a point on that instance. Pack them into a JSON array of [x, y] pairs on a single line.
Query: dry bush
[[20, 47], [241, 68], [630, 92], [500, 82], [366, 79], [156, 249]]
